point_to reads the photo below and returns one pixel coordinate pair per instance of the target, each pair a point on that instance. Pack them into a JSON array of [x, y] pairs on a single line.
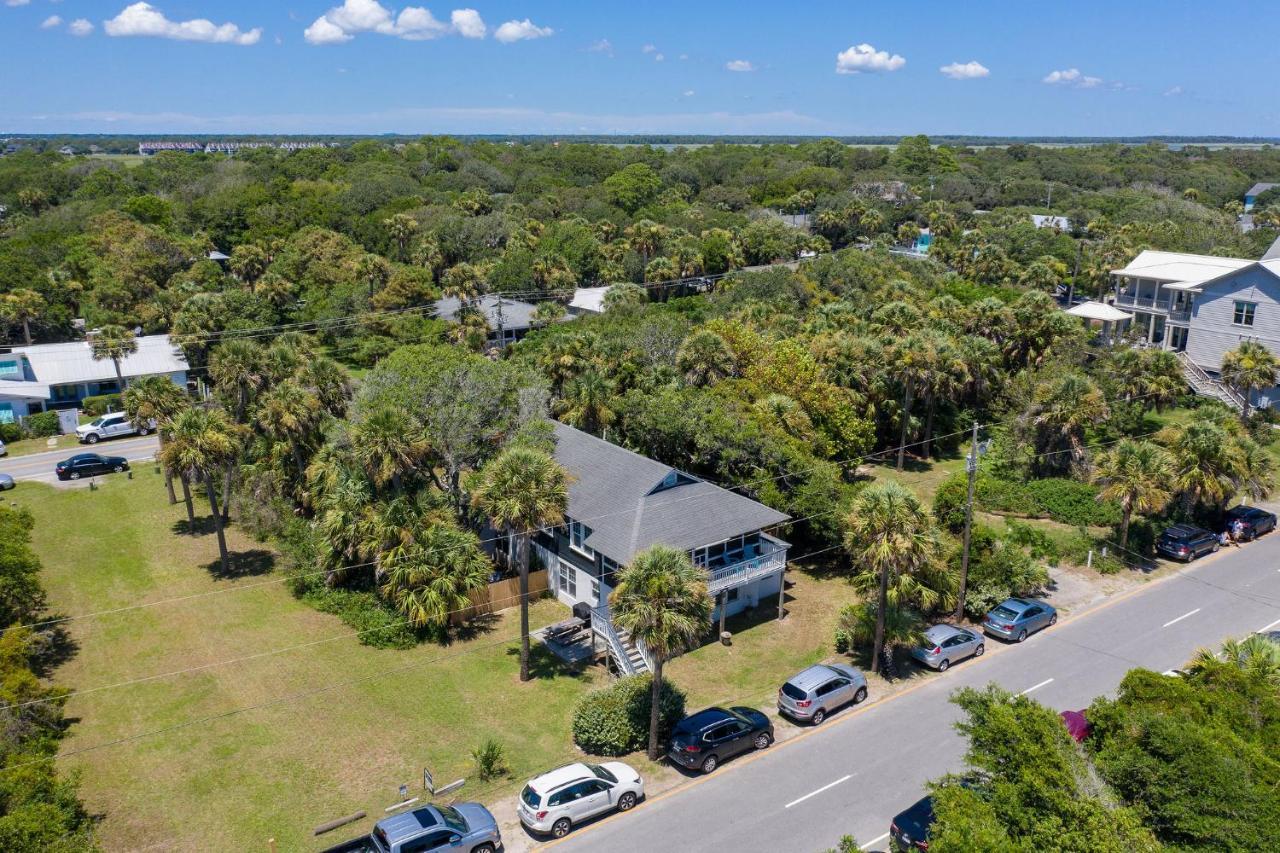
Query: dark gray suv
[[813, 694]]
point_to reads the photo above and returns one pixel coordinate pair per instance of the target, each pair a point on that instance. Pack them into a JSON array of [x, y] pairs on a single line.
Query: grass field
[[333, 727], [230, 783]]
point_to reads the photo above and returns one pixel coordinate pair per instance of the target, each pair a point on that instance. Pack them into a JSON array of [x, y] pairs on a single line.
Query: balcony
[[1150, 303], [756, 560]]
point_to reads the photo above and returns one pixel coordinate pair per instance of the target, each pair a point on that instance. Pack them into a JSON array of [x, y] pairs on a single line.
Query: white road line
[[1035, 686], [875, 841], [819, 791], [1180, 618], [1267, 628]]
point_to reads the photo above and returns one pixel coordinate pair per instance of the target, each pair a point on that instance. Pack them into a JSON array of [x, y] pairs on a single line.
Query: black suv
[[1186, 542], [702, 741], [909, 830], [89, 464], [1256, 521]]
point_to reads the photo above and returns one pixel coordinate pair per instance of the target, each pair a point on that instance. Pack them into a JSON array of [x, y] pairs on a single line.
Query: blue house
[[1251, 194], [59, 376]]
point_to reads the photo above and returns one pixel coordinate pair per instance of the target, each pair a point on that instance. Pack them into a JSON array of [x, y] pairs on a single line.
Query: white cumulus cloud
[[648, 48], [51, 22], [1071, 77], [602, 46], [965, 70], [864, 57], [80, 27], [143, 19], [468, 24], [513, 31], [739, 65], [16, 2], [1173, 91]]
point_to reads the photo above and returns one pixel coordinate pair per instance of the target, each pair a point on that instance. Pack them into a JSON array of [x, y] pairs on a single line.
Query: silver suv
[[464, 828], [813, 694], [555, 801]]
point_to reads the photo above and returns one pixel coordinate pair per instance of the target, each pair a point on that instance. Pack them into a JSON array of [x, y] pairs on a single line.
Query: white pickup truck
[[115, 425]]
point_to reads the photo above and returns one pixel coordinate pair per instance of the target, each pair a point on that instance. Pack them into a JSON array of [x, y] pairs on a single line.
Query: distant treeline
[[128, 143]]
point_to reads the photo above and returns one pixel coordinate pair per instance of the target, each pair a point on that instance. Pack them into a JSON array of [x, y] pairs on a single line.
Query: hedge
[[43, 424], [1062, 499], [99, 404], [10, 432], [615, 719]]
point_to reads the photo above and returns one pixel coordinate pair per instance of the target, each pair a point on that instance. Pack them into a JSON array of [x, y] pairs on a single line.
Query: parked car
[[554, 802], [115, 425], [1186, 542], [1016, 618], [465, 827], [703, 740], [909, 830], [813, 694], [945, 644], [1255, 521], [88, 465], [6, 483], [4, 451]]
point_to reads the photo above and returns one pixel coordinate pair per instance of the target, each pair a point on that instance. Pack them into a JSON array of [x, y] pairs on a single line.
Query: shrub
[[999, 569], [856, 627], [98, 405], [615, 719], [43, 424], [10, 432], [949, 501], [379, 626], [1073, 502], [491, 760]]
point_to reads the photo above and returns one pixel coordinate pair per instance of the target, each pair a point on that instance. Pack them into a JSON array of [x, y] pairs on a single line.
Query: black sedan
[[1254, 521], [909, 830], [702, 741], [88, 465]]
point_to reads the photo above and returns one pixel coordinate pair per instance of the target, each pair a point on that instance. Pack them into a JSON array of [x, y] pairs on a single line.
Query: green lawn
[[27, 446], [231, 783]]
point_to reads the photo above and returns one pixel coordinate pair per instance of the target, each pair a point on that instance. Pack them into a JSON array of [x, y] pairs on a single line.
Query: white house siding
[[1213, 331], [759, 591]]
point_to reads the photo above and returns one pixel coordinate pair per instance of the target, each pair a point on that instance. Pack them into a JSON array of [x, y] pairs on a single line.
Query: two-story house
[[1201, 307], [621, 503]]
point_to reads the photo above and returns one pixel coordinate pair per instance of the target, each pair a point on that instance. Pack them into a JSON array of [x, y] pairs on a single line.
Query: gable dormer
[[673, 479]]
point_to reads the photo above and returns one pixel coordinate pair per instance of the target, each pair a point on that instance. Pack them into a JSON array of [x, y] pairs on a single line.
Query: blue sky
[[1085, 67]]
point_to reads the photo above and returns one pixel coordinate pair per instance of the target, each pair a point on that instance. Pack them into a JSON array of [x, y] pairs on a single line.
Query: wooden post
[[782, 592], [271, 845], [724, 603]]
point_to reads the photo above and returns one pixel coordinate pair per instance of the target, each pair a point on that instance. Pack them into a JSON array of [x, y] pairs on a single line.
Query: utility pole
[[500, 321], [971, 465], [1075, 273]]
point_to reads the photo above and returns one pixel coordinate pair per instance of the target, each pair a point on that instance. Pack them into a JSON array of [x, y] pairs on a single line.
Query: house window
[[609, 568], [578, 533], [568, 580], [595, 591], [1244, 313]]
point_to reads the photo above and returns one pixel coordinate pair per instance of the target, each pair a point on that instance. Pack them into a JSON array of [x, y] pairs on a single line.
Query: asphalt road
[[861, 767], [39, 466]]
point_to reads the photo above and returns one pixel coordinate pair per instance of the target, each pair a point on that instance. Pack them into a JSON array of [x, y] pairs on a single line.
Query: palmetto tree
[[587, 403], [155, 398], [1248, 368], [893, 542], [521, 491], [911, 366], [705, 358], [400, 228], [291, 414], [435, 575], [1207, 463], [1257, 655], [388, 444], [115, 343], [1139, 476], [236, 367], [22, 306], [646, 237], [202, 443], [661, 599], [1062, 408]]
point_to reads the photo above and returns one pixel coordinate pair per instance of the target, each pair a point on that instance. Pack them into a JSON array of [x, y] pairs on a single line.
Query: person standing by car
[[1237, 531]]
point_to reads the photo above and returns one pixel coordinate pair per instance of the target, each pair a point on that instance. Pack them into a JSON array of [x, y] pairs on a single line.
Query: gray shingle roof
[[1259, 188], [515, 314], [612, 493]]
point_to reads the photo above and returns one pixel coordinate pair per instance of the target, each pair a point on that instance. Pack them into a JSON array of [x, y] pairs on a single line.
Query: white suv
[[555, 801], [114, 425]]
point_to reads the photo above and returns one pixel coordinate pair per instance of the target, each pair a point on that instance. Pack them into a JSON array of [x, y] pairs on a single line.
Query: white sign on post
[[427, 781]]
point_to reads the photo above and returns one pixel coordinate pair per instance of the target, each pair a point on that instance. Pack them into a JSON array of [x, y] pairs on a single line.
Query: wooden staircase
[[635, 661], [1206, 386]]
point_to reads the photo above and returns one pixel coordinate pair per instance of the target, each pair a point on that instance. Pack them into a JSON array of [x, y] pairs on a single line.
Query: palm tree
[[587, 404], [625, 297], [705, 358], [661, 599], [1248, 368], [401, 227], [388, 444], [646, 237], [1206, 461], [435, 575], [547, 313], [857, 624], [1138, 475], [910, 366], [22, 306], [113, 342], [1257, 655], [1062, 408], [891, 538], [521, 491], [236, 367], [155, 398], [289, 413], [203, 442]]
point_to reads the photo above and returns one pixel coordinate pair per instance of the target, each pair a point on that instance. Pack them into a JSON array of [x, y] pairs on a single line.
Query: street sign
[[427, 781]]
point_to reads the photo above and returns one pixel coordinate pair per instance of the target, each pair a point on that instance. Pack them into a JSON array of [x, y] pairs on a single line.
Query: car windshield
[[1004, 613], [452, 818], [794, 692], [602, 773], [96, 422], [530, 797]]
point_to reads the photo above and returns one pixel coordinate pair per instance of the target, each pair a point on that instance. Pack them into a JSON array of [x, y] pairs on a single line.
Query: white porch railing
[[602, 626], [773, 559]]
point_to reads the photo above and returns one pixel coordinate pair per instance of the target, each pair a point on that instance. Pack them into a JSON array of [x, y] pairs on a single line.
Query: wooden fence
[[503, 594]]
